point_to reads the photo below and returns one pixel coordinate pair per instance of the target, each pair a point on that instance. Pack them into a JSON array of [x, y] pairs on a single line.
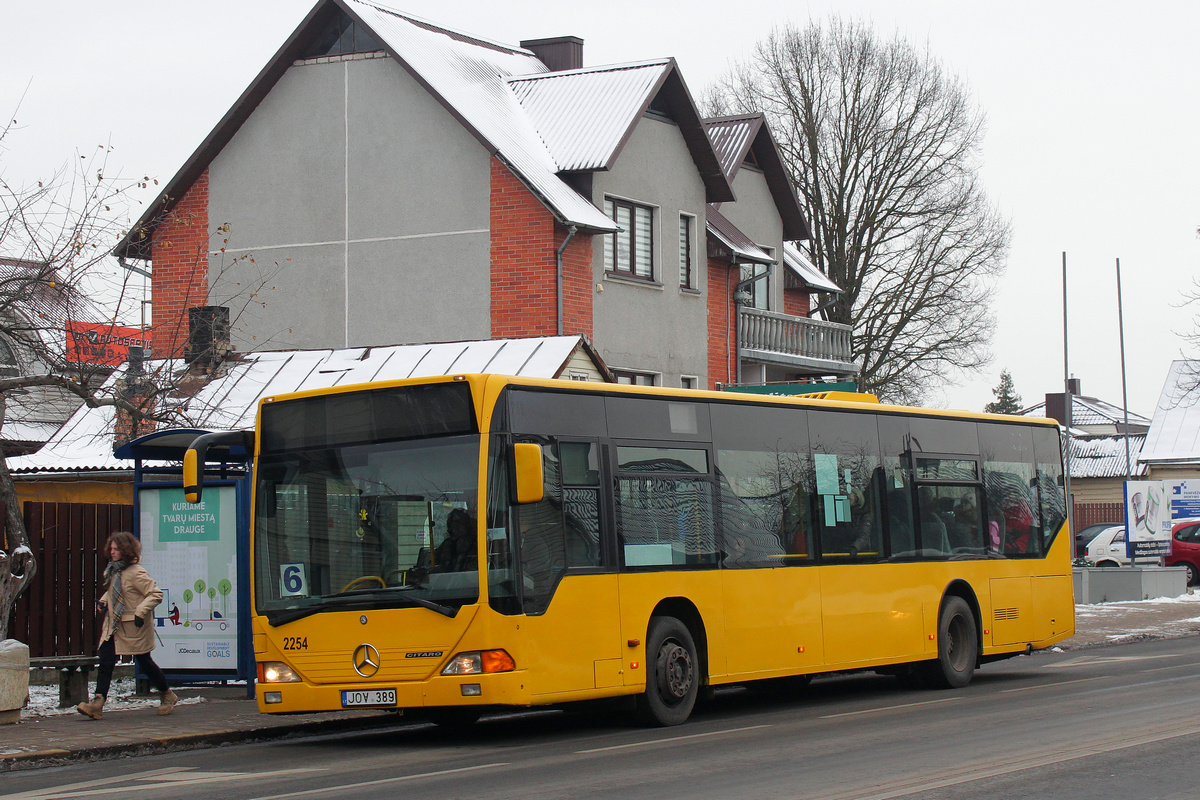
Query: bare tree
[[56, 238], [883, 147]]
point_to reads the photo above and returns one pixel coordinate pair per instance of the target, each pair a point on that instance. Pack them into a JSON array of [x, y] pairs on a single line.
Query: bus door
[[567, 593]]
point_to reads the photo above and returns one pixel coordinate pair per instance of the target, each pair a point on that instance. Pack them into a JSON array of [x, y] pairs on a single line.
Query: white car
[[1107, 549]]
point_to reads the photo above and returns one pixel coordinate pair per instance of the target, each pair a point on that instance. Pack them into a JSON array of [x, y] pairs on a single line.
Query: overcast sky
[[1090, 111]]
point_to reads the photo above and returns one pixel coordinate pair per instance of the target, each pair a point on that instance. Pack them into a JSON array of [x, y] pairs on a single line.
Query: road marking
[[890, 708], [342, 788], [155, 779], [968, 773], [90, 784], [671, 739], [1090, 661], [1052, 685]]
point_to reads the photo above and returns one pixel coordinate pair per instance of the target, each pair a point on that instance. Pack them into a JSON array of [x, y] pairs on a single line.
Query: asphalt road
[[1116, 722]]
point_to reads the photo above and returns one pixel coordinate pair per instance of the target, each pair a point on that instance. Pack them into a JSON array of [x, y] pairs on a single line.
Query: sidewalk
[[212, 715]]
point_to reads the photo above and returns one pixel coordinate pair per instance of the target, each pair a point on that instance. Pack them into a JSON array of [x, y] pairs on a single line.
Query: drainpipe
[[558, 276], [740, 290]]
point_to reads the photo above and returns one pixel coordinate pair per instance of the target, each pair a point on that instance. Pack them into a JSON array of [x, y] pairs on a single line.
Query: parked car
[[1107, 548], [1185, 549], [1084, 537]]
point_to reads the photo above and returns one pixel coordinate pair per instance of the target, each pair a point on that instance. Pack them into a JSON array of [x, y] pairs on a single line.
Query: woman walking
[[128, 603]]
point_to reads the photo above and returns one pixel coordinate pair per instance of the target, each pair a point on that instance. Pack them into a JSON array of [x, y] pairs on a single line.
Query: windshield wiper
[[282, 617]]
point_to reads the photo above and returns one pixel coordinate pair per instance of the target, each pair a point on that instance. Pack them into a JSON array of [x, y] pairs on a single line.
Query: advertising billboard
[[190, 549]]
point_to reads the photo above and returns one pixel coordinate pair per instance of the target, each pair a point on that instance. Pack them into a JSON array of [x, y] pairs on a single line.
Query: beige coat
[[141, 596]]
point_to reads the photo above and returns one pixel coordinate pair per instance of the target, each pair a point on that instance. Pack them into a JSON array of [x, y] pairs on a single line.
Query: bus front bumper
[[506, 688]]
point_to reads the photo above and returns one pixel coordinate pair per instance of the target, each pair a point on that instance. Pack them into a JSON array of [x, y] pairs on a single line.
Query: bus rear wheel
[[672, 674], [958, 647]]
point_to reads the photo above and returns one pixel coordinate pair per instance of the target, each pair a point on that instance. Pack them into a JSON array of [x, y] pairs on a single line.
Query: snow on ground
[[43, 700], [1132, 620]]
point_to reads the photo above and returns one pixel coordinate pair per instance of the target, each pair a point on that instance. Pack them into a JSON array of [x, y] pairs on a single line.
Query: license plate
[[365, 698]]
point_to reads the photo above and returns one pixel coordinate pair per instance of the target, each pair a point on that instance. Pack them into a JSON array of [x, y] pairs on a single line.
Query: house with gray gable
[[385, 180]]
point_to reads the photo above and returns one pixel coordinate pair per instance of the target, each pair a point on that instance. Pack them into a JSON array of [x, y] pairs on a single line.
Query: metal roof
[[1091, 411], [230, 400], [585, 115], [807, 271], [729, 235], [1105, 457], [731, 138], [1174, 435]]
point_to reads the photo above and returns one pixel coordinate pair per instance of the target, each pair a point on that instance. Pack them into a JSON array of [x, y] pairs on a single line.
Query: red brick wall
[[577, 282], [179, 252], [795, 302], [721, 334], [524, 240]]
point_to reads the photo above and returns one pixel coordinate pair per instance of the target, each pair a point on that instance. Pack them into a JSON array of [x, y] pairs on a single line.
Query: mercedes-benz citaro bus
[[462, 543]]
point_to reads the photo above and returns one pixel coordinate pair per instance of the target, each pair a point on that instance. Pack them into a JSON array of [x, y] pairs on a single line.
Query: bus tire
[[672, 674], [958, 647]]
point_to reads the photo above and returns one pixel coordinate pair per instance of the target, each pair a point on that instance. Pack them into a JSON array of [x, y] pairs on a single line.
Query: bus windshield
[[361, 525]]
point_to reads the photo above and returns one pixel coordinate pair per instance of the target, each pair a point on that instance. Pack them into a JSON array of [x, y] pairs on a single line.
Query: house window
[[688, 382], [759, 285], [686, 279], [9, 367], [340, 37], [631, 378], [630, 251]]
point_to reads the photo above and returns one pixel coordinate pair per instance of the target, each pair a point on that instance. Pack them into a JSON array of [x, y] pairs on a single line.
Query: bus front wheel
[[672, 675], [958, 647]]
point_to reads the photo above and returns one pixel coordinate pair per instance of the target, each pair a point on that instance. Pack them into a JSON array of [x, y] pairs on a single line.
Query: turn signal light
[[480, 661]]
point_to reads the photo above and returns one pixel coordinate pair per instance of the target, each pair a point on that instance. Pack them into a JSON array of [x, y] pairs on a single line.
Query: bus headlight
[[276, 672], [480, 661]]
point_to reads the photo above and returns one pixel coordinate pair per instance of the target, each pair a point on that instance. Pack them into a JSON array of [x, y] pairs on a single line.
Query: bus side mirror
[[234, 442], [527, 469], [193, 476]]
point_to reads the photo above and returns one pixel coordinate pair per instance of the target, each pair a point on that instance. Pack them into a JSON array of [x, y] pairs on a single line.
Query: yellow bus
[[464, 543]]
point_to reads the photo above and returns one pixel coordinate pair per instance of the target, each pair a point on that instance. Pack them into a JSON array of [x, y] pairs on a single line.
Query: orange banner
[[99, 343]]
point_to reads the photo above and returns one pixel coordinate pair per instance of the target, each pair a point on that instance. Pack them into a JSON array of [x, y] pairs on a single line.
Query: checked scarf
[[112, 572]]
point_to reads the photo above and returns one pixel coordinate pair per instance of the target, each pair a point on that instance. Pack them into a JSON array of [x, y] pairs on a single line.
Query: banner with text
[[190, 549]]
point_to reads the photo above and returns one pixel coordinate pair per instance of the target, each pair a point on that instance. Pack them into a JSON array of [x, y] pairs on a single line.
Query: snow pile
[[43, 700]]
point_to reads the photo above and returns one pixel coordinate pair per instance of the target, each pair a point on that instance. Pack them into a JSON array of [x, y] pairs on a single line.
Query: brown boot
[[167, 704], [92, 709]]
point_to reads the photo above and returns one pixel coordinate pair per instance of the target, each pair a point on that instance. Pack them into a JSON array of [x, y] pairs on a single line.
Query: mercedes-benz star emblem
[[366, 660]]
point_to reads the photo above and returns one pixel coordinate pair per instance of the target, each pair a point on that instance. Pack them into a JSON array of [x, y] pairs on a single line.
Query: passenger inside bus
[[456, 553]]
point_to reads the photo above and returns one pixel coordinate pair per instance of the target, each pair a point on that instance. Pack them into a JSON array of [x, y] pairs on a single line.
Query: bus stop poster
[[190, 549]]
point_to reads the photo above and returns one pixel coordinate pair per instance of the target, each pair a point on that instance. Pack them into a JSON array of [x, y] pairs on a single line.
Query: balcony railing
[[798, 338]]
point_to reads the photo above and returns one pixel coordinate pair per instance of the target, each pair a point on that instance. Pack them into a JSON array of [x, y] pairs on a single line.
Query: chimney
[[137, 392], [1073, 387], [208, 335], [559, 53]]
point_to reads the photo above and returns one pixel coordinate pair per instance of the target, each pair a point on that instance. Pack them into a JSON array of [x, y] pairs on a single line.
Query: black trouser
[[108, 660]]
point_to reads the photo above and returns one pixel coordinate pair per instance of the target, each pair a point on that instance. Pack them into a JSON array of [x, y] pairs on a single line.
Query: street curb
[[190, 741]]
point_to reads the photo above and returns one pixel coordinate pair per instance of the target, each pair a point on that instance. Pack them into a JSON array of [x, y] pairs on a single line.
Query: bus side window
[[1010, 486], [764, 479], [849, 483]]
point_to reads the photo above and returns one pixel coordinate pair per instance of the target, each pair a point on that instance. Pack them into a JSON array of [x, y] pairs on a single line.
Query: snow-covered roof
[[806, 271], [1105, 457], [230, 400], [1092, 412], [1174, 435]]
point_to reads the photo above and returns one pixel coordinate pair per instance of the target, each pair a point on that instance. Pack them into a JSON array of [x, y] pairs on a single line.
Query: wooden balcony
[[799, 343]]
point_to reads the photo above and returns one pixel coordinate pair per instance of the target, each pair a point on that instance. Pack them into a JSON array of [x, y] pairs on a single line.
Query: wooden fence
[[56, 616], [1096, 513]]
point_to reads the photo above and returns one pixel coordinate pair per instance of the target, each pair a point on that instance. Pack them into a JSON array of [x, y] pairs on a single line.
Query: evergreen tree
[[1007, 399]]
